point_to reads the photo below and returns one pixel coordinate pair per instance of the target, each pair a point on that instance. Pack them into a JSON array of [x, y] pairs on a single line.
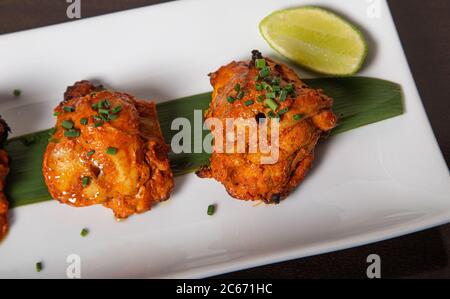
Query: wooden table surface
[[424, 28]]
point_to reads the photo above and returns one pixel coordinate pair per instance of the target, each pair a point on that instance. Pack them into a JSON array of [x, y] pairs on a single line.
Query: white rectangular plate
[[369, 184]]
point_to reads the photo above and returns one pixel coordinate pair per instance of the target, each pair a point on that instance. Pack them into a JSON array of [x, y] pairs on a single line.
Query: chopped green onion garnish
[[116, 109], [69, 108], [283, 111], [298, 117], [53, 140], [85, 181], [266, 86], [270, 95], [283, 95], [276, 88], [17, 92], [84, 232], [230, 99], [260, 63], [52, 131], [240, 95], [103, 111], [248, 103], [111, 150], [106, 103], [95, 106], [56, 113], [84, 121], [289, 88], [98, 124], [39, 267], [272, 104], [237, 87], [211, 210], [67, 124], [258, 87], [104, 117], [264, 72], [256, 78], [273, 114], [113, 116], [260, 98], [276, 81], [72, 133], [90, 153]]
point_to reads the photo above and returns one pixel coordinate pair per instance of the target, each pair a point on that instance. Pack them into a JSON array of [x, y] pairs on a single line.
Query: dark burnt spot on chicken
[[256, 55], [80, 89]]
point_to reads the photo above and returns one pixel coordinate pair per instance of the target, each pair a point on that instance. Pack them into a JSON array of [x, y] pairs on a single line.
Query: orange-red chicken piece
[[240, 90], [107, 149]]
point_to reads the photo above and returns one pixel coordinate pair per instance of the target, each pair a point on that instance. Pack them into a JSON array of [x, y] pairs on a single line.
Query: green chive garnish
[[52, 131], [270, 95], [84, 121], [72, 133], [248, 103], [67, 124], [69, 108], [260, 63], [56, 113], [264, 72], [260, 98], [39, 267], [98, 124], [53, 140], [272, 104], [17, 92], [111, 150], [289, 88], [95, 106], [298, 117], [283, 95], [256, 78], [85, 181], [84, 232], [283, 111], [106, 103], [273, 114], [240, 95], [211, 210], [230, 99], [103, 111], [237, 87], [116, 109], [90, 153], [113, 117]]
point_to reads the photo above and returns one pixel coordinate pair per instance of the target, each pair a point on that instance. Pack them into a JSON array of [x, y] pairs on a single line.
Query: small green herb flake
[[84, 232], [53, 140], [112, 117], [272, 104], [258, 87], [248, 103], [98, 124], [111, 150], [298, 117], [260, 98], [67, 124], [264, 72], [39, 267], [52, 131], [90, 153], [69, 108], [106, 104], [260, 63], [230, 99], [283, 95], [72, 133], [211, 210], [84, 121], [116, 109], [270, 95], [237, 87], [85, 181], [283, 111], [17, 92], [94, 106], [56, 113], [103, 111], [240, 95]]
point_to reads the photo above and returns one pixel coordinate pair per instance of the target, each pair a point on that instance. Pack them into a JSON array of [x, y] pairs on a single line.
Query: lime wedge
[[316, 39]]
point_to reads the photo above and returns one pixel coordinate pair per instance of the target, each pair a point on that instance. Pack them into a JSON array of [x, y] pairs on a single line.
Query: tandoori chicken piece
[[4, 169], [107, 148], [264, 90]]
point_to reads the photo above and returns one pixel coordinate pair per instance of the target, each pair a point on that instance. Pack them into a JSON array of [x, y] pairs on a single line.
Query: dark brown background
[[424, 28]]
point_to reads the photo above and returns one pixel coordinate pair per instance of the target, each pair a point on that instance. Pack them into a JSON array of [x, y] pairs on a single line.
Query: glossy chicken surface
[[107, 149], [4, 169], [304, 114]]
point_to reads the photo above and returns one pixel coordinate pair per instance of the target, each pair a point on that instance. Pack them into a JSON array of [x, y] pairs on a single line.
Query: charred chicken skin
[[265, 90], [107, 148], [4, 169]]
